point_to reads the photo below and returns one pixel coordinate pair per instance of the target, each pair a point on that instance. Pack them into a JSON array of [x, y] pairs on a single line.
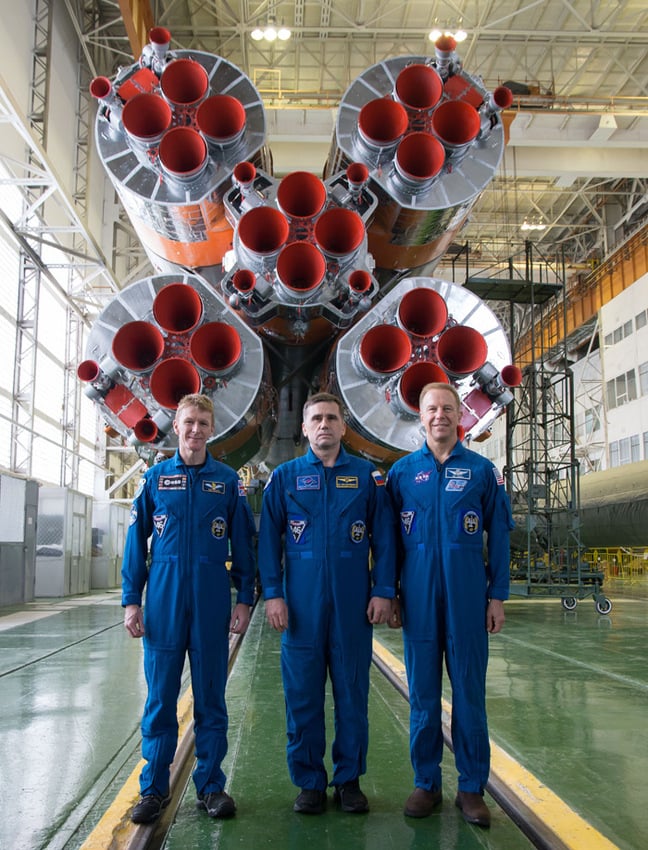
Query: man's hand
[[240, 619], [277, 613], [379, 610], [395, 621], [495, 616], [134, 621]]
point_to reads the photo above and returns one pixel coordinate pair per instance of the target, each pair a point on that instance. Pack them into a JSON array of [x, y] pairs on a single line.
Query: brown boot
[[473, 808], [421, 803]]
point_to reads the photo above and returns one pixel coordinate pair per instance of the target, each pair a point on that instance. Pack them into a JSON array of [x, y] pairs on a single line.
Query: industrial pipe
[[138, 346], [172, 379], [177, 308], [423, 313], [461, 350], [216, 347]]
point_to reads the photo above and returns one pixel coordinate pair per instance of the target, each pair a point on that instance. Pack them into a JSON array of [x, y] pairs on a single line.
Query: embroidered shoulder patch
[[498, 476], [297, 528], [159, 523], [378, 477], [407, 518]]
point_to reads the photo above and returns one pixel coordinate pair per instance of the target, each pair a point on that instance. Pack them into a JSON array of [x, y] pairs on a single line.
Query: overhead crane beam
[[138, 20]]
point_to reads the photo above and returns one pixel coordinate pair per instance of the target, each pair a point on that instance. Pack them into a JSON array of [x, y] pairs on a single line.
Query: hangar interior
[[549, 247]]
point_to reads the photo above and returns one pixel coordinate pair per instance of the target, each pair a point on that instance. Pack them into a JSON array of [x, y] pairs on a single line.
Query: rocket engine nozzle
[[418, 87], [423, 313], [462, 350], [221, 119], [172, 379], [383, 350], [216, 347], [184, 83], [177, 308], [138, 346], [146, 118], [414, 378]]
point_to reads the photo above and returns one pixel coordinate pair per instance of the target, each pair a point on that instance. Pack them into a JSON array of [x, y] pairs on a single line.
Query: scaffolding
[[542, 468]]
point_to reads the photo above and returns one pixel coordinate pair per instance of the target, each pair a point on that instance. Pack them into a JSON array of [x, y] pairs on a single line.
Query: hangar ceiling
[[577, 158]]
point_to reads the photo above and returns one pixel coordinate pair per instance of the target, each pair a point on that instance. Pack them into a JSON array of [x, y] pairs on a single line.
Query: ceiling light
[[459, 34], [534, 224], [270, 32]]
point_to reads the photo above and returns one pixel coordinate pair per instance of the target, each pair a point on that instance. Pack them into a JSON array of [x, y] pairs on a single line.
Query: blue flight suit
[[190, 513], [445, 586], [327, 520]]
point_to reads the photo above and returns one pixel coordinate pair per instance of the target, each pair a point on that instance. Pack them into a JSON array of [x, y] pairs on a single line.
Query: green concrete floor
[[567, 697]]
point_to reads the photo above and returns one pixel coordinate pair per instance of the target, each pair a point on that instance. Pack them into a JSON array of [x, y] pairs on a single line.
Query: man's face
[[323, 425], [440, 416], [193, 427]]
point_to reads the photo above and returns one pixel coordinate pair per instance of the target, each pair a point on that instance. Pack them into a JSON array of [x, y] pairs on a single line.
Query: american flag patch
[[498, 476]]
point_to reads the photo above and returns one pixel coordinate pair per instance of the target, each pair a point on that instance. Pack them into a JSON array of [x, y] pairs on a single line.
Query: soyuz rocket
[[269, 288]]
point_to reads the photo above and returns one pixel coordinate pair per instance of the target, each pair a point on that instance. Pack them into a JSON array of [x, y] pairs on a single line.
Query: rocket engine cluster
[[268, 284]]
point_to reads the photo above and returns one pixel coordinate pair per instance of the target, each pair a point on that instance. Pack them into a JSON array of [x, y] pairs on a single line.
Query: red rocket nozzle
[[221, 118], [301, 195], [183, 152], [177, 308], [359, 281], [216, 347], [415, 377], [455, 123], [244, 281], [339, 231], [382, 121], [502, 97], [461, 350], [385, 349], [511, 375], [419, 87], [184, 82], [171, 380], [301, 267], [146, 117], [160, 36], [423, 312], [420, 157], [357, 174], [445, 44], [138, 345], [244, 173], [100, 87], [263, 230], [88, 370], [145, 430]]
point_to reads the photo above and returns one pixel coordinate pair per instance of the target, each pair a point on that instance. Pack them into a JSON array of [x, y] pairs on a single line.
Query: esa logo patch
[[470, 522], [407, 518], [218, 528], [172, 482], [159, 523], [358, 530], [297, 528]]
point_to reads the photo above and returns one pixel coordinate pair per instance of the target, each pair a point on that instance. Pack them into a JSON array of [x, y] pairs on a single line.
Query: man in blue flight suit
[[190, 506], [449, 600], [326, 511]]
